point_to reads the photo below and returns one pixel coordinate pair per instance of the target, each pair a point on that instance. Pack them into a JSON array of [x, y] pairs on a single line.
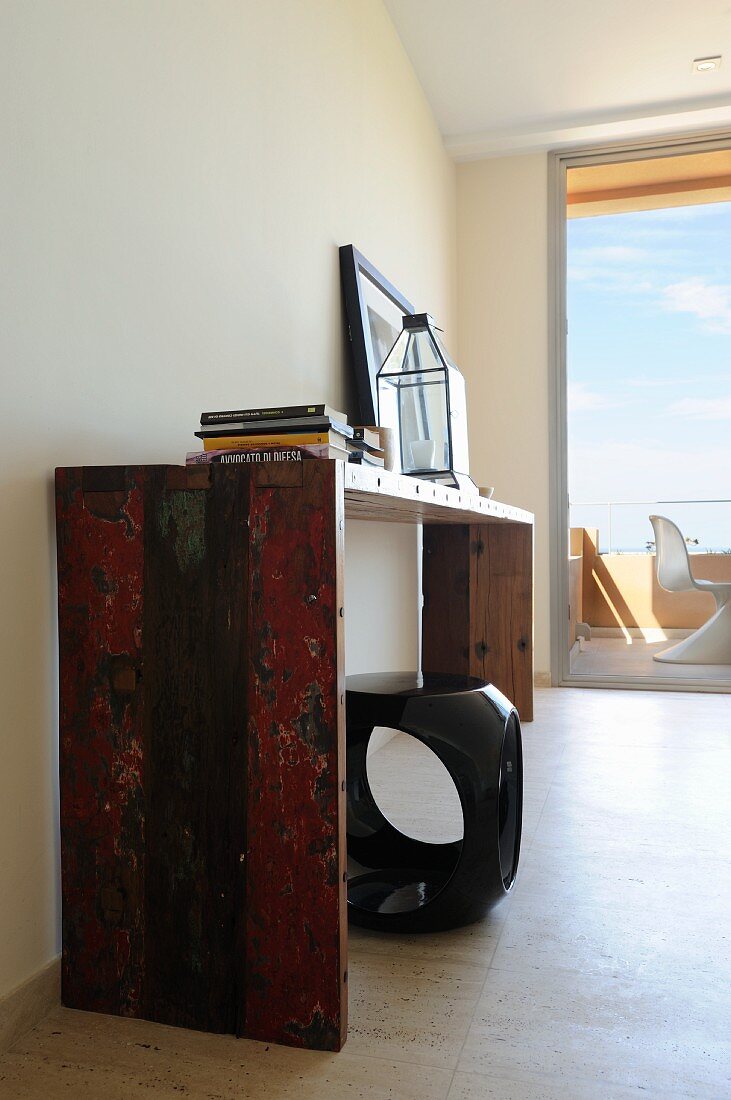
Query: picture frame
[[374, 311]]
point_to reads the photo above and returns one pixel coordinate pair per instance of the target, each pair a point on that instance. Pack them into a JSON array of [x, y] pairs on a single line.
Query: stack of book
[[365, 447], [287, 434]]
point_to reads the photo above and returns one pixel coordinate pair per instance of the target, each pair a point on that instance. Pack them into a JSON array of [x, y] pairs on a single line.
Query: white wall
[[176, 178], [502, 285]]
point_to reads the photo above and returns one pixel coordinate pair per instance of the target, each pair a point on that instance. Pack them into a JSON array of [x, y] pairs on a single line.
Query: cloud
[[702, 408], [609, 279], [612, 268], [648, 470], [637, 233], [610, 254], [712, 382], [582, 399], [659, 383], [709, 302]]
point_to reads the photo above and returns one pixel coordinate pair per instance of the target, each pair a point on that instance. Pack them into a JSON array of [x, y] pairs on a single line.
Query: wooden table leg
[[478, 605], [202, 747]]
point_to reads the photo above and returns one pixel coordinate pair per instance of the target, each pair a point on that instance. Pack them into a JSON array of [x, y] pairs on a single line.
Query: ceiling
[[519, 75]]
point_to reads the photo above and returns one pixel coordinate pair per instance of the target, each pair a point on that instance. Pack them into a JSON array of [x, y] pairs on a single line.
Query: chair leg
[[709, 645]]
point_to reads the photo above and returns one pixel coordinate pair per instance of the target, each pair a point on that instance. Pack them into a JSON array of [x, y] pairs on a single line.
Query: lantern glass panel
[[421, 397], [458, 422], [413, 399]]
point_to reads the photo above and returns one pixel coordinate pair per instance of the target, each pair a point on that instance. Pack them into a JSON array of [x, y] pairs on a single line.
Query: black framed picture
[[374, 311]]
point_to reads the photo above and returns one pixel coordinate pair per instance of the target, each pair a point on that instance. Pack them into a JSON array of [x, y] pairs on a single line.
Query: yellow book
[[256, 442]]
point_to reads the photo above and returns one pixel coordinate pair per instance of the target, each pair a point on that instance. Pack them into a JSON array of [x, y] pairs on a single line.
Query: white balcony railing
[[706, 522]]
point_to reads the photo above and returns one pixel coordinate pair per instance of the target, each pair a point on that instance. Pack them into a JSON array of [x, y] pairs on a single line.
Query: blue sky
[[649, 368]]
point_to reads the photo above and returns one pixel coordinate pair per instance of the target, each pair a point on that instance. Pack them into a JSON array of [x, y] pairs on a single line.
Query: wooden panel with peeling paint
[[501, 611], [100, 589], [296, 901], [196, 550], [478, 605], [201, 682]]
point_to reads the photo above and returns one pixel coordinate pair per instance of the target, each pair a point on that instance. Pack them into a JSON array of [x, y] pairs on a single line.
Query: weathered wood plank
[[196, 551], [501, 610], [100, 602], [381, 495], [296, 859], [478, 605], [446, 586]]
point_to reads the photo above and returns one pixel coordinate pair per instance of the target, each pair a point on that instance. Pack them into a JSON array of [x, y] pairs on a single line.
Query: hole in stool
[[405, 826], [412, 788]]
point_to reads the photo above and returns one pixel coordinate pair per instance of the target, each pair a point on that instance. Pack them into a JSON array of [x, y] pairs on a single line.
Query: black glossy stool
[[401, 884]]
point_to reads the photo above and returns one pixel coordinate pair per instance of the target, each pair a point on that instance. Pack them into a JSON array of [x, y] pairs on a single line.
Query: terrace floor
[[620, 656]]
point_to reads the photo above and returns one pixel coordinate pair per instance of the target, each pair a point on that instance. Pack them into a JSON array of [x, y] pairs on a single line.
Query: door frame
[[559, 162]]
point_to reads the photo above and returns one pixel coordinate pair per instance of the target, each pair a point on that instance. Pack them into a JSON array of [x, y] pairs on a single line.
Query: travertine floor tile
[[641, 943], [419, 1007], [614, 657], [639, 877], [558, 1027], [479, 1086], [104, 1057], [474, 944]]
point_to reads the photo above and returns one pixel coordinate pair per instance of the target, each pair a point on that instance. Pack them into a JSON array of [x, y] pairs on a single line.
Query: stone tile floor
[[606, 973], [634, 657]]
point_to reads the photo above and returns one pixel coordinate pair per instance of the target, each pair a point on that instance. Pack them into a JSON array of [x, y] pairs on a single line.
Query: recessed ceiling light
[[706, 64]]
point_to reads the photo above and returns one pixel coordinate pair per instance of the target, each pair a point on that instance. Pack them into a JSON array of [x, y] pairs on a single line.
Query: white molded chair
[[711, 643]]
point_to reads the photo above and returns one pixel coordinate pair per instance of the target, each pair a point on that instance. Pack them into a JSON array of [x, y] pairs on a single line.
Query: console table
[[202, 724]]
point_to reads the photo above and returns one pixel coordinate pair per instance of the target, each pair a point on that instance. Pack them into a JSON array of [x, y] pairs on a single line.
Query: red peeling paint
[[202, 802], [102, 809], [294, 879]]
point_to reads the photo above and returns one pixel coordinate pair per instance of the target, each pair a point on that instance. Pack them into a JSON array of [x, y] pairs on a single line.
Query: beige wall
[[177, 177], [503, 343]]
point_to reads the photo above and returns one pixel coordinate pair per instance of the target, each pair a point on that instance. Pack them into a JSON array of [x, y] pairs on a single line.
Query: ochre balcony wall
[[576, 583], [621, 590]]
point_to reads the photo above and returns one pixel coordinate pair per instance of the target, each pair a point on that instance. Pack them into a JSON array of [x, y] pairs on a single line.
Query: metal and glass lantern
[[421, 396]]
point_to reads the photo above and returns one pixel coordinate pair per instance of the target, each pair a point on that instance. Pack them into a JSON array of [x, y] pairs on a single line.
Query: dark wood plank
[[196, 563], [478, 605], [446, 586], [104, 479], [296, 859], [501, 610], [100, 580]]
